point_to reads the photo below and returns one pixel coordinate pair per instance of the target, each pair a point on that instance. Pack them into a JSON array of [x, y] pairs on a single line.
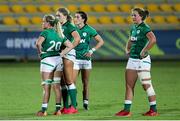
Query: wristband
[[92, 50]]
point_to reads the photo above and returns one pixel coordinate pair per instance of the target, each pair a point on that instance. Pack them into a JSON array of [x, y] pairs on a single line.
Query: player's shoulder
[[46, 30], [70, 24], [145, 25], [89, 28]]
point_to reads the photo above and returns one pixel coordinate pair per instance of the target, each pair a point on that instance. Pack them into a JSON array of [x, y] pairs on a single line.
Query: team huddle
[[64, 51]]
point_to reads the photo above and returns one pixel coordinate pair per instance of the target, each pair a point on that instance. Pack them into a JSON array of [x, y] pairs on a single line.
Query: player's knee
[[150, 91], [147, 85], [47, 82], [56, 80], [145, 78]]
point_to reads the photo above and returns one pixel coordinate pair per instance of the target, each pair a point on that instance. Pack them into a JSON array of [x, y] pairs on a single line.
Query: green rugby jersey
[[52, 43], [67, 29], [86, 33], [138, 39]]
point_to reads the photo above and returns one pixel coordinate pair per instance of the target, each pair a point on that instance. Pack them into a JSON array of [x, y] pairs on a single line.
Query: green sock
[[153, 107], [58, 106], [127, 107], [72, 92], [65, 97], [44, 107]]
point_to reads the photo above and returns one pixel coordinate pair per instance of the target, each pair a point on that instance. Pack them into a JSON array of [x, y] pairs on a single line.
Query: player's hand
[[88, 54], [143, 54], [62, 55]]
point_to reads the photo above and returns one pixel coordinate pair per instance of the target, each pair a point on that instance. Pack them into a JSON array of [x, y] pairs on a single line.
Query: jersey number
[[54, 46]]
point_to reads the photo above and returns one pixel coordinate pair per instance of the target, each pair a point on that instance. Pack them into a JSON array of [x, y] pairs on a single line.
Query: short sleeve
[[71, 28], [44, 34], [64, 39], [146, 29], [93, 32], [130, 32]]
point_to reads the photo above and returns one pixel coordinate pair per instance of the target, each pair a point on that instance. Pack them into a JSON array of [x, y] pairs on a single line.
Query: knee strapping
[[150, 91], [143, 76], [47, 82], [56, 80]]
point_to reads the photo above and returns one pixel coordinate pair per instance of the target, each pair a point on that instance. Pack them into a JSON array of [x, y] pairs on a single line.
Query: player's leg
[[68, 74], [46, 69], [64, 91], [85, 73], [145, 78], [57, 90], [46, 83], [76, 70], [131, 78]]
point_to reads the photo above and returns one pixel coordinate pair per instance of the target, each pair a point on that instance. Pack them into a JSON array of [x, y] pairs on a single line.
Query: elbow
[[102, 43], [72, 46], [154, 41], [37, 45], [78, 40]]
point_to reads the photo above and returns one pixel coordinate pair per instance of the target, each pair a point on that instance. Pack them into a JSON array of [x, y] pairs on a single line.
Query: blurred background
[[20, 25]]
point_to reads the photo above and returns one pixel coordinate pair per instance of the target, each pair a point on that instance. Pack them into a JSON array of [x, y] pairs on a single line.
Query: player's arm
[[128, 46], [39, 44], [99, 41], [69, 47], [76, 37], [152, 40]]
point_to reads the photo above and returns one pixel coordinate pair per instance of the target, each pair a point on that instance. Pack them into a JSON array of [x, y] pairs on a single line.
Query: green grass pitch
[[21, 93]]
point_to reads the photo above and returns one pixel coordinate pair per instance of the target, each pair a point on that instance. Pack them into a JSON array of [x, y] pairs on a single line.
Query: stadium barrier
[[21, 45]]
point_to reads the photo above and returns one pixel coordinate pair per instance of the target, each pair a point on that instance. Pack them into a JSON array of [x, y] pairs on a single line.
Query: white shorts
[[139, 64], [82, 64], [50, 64], [71, 55]]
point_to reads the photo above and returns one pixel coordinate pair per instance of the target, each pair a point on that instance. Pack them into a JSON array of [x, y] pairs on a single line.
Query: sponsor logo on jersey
[[133, 38]]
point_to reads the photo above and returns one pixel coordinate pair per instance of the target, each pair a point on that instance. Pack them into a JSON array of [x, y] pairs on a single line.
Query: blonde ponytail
[[58, 28]]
